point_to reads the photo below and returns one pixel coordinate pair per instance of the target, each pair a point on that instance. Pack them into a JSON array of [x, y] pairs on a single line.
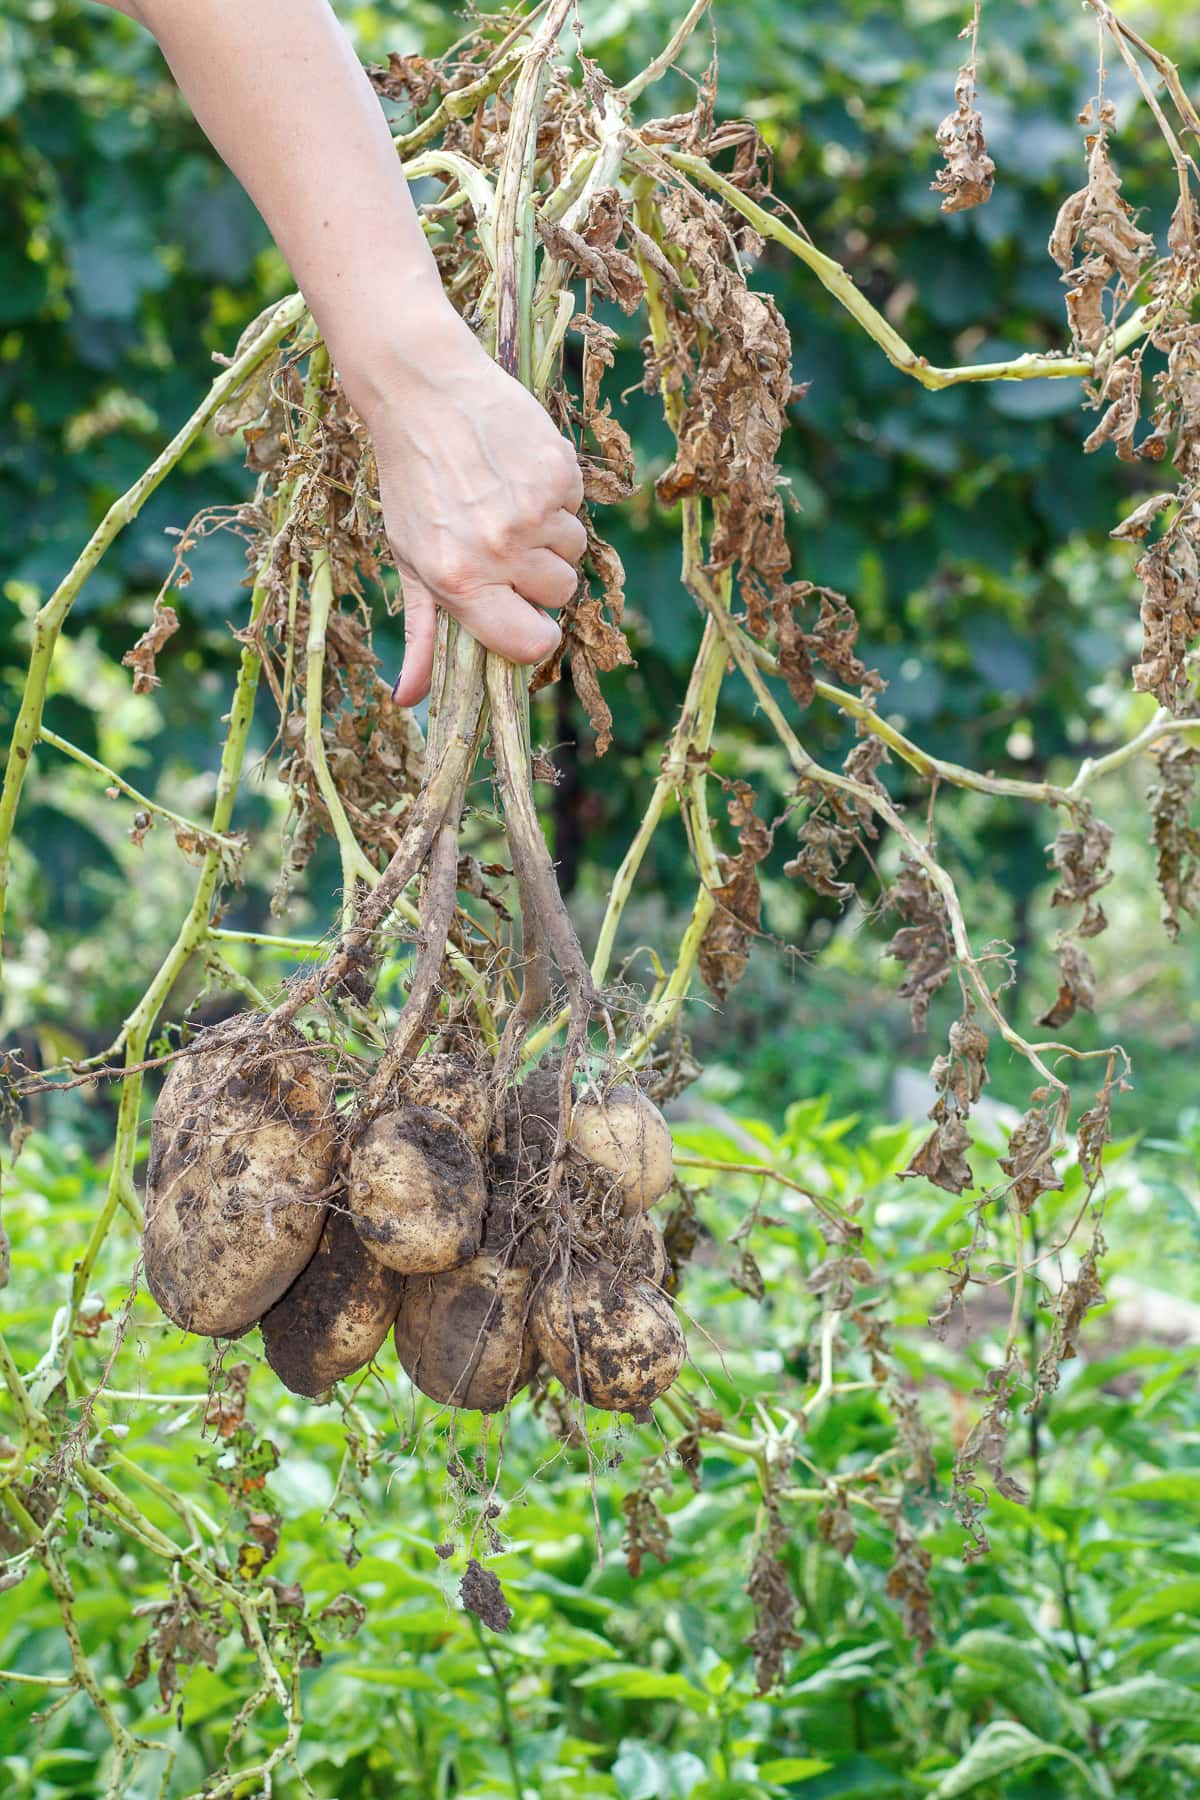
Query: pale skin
[[480, 490]]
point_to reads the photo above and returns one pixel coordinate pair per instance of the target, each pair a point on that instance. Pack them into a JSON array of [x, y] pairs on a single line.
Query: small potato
[[335, 1315], [462, 1336], [242, 1149], [613, 1341], [625, 1133], [416, 1191], [450, 1085]]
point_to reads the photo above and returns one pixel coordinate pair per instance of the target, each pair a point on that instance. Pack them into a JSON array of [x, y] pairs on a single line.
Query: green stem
[[355, 866], [507, 1731], [298, 946], [837, 282], [48, 621], [200, 832]]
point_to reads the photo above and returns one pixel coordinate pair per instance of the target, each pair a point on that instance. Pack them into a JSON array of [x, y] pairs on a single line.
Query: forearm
[[280, 93]]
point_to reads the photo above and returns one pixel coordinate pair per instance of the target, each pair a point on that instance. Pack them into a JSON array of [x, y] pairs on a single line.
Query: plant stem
[[834, 278], [48, 622], [201, 833], [507, 1731]]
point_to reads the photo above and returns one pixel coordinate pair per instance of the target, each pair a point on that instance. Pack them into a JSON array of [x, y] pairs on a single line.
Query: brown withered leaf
[[142, 659], [1175, 838], [774, 1603], [835, 1523], [186, 1631], [1137, 524], [593, 253], [986, 1446], [647, 1531], [830, 641], [968, 173], [481, 1594], [1079, 855], [731, 357], [737, 919], [1076, 1299], [923, 943], [1029, 1163], [1076, 985], [407, 77], [1097, 219], [596, 644], [963, 1073], [942, 1158], [1120, 394], [825, 843], [907, 1584], [1169, 572], [1095, 1132]]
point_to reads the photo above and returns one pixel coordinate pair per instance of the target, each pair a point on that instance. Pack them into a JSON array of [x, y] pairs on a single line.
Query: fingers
[[503, 621], [564, 534], [417, 669], [572, 488], [542, 577]]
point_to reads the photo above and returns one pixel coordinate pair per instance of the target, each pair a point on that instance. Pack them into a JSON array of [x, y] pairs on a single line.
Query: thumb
[[417, 668]]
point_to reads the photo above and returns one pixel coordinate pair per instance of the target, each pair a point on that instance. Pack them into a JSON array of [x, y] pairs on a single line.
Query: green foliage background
[[971, 533]]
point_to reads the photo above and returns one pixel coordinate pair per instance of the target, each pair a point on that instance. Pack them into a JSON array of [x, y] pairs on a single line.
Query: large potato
[[462, 1336], [416, 1191], [625, 1133], [242, 1148], [335, 1315], [609, 1338]]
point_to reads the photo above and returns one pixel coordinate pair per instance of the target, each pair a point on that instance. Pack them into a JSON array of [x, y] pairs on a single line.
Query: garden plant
[[441, 1144]]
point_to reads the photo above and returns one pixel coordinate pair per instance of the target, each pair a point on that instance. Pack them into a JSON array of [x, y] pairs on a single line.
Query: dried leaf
[[142, 658], [1075, 1300], [1076, 985], [770, 1591], [1029, 1163], [968, 174], [737, 919], [942, 1157], [1175, 838], [923, 943], [1079, 854]]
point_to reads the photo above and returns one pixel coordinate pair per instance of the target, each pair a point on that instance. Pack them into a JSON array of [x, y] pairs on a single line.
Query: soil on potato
[[206, 1188], [452, 1172], [343, 1297]]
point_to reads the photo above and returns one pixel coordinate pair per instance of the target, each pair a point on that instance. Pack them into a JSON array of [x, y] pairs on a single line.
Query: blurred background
[[966, 526], [971, 533]]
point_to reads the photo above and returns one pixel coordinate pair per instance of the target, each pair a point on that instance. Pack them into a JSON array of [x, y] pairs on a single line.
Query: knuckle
[[451, 574]]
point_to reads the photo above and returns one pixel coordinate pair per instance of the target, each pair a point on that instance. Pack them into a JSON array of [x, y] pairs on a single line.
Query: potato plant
[[474, 1173]]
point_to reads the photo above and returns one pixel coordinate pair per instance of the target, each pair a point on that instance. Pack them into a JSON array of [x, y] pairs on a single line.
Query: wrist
[[419, 342]]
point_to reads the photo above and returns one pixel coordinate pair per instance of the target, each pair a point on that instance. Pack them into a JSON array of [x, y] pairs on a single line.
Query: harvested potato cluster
[[460, 1226]]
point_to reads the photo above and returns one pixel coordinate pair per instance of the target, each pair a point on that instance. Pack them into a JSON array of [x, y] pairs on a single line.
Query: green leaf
[[1144, 1697], [1176, 1484], [632, 1683], [1000, 1747], [792, 1768], [638, 1771], [1176, 1596]]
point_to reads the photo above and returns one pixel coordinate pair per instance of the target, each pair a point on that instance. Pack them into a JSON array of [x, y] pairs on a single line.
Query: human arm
[[479, 489]]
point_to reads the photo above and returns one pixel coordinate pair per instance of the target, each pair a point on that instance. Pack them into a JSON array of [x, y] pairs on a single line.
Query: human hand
[[480, 494]]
